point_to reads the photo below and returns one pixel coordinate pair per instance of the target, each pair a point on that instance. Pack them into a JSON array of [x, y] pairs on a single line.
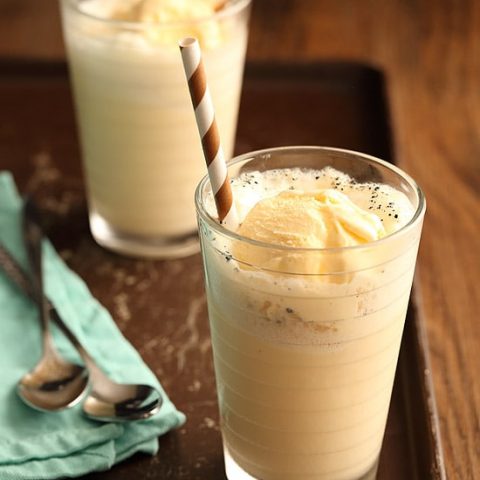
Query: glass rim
[[231, 8], [215, 225]]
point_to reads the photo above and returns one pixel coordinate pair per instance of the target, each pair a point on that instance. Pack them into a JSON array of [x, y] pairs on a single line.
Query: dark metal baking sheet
[[160, 305]]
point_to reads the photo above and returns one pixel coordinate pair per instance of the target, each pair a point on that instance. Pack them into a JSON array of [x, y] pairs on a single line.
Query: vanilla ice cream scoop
[[162, 11], [317, 220], [175, 16], [322, 219]]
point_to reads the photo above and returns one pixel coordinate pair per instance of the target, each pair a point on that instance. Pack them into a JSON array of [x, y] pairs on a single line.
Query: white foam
[[389, 204]]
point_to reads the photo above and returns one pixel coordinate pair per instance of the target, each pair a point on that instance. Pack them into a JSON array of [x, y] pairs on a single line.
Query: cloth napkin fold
[[37, 445]]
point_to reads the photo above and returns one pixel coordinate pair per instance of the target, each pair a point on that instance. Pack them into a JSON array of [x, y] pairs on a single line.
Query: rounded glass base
[[236, 472], [141, 246]]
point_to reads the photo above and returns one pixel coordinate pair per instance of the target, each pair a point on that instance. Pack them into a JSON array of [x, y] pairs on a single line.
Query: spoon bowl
[[53, 384], [122, 403], [110, 401]]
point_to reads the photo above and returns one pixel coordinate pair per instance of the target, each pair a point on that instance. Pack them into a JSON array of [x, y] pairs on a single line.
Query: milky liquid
[[140, 144], [305, 363]]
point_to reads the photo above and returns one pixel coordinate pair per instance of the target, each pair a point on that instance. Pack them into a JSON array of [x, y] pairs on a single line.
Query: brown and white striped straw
[[207, 128]]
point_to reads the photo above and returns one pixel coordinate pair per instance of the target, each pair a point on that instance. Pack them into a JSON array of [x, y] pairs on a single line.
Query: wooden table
[[430, 53]]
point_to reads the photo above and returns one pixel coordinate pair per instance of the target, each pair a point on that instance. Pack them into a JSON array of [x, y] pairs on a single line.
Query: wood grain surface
[[430, 52]]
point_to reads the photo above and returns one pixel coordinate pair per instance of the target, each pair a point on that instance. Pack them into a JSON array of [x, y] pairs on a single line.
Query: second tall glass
[[141, 152]]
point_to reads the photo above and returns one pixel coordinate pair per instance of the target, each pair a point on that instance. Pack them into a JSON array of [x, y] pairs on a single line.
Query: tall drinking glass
[[141, 152], [305, 353]]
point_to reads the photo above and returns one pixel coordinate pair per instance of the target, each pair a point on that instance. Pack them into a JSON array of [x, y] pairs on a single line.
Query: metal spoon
[[54, 383], [108, 400]]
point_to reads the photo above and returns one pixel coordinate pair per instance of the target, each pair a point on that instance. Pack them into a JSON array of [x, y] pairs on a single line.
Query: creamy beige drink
[[306, 319], [141, 150]]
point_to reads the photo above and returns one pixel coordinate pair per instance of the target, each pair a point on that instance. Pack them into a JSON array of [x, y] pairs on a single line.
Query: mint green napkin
[[36, 445]]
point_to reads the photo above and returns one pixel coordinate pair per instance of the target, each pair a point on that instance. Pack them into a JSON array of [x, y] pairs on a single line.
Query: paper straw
[[207, 128]]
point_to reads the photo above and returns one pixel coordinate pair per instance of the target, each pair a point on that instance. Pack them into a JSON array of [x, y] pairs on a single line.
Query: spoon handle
[[32, 234], [20, 278], [15, 272]]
